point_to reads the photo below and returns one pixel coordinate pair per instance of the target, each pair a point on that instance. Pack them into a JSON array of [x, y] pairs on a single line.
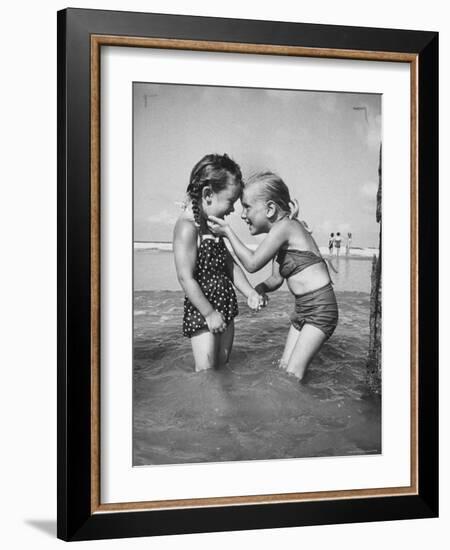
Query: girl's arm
[[241, 282], [185, 251], [238, 277], [271, 283], [252, 260]]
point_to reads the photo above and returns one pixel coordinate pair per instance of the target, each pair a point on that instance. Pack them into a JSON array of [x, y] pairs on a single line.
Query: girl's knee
[[208, 361], [212, 350], [226, 344], [224, 356], [205, 352], [298, 371], [201, 366]]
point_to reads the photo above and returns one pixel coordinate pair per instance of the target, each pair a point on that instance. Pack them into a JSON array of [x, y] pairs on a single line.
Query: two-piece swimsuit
[[317, 307], [215, 283]]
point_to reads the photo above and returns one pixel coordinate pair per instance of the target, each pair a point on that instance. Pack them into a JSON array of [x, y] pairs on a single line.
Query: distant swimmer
[[349, 242], [331, 244], [337, 243]]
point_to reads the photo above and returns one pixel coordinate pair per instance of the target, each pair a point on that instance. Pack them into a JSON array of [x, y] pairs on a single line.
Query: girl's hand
[[218, 226], [215, 322], [264, 299], [256, 301]]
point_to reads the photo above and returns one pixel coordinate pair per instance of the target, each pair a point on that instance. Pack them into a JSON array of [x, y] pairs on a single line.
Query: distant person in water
[[331, 244], [337, 243], [349, 242], [268, 208], [205, 269]]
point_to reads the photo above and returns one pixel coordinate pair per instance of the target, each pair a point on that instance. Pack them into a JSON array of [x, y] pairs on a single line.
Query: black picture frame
[[78, 518]]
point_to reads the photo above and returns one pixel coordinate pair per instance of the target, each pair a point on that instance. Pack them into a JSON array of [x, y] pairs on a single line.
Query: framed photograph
[[247, 274]]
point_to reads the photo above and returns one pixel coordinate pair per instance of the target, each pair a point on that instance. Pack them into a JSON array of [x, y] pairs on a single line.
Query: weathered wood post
[[374, 357]]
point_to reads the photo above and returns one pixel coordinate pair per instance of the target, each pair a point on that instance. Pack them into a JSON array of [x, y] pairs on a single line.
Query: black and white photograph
[[256, 275], [201, 346]]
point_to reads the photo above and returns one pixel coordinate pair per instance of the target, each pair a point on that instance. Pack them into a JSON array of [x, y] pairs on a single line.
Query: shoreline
[[355, 252]]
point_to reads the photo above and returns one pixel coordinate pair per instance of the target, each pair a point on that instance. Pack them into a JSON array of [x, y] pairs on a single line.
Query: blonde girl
[[268, 208]]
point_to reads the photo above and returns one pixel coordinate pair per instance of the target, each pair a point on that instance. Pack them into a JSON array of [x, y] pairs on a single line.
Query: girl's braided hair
[[215, 171], [272, 188]]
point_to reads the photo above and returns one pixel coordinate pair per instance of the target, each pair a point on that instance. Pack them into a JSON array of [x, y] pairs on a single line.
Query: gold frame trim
[[97, 41]]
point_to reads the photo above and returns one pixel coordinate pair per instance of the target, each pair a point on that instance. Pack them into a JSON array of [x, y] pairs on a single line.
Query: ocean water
[[249, 409], [155, 270]]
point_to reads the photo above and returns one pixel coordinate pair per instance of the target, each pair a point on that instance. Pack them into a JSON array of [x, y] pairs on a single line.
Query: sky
[[324, 145]]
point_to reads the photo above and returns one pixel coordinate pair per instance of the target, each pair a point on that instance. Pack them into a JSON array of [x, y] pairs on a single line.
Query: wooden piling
[[374, 356]]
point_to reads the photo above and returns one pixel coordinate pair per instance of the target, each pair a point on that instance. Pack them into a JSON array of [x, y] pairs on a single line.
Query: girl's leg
[[292, 337], [205, 347], [308, 343], [226, 343]]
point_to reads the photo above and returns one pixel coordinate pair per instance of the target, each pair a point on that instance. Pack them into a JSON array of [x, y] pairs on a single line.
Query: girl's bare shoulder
[[298, 236], [291, 228], [185, 228]]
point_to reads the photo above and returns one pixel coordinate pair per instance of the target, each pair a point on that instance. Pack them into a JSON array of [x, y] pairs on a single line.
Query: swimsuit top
[[211, 263], [293, 261]]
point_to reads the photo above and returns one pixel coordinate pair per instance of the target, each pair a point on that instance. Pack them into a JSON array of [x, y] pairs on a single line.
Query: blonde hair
[[272, 188]]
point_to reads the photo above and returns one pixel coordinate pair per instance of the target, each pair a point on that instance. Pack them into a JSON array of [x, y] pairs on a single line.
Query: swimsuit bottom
[[318, 308]]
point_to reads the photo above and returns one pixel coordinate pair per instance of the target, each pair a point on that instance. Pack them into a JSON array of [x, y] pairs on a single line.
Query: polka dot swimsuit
[[212, 276]]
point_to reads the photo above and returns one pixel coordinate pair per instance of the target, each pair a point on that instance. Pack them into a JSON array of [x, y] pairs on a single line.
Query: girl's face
[[254, 211], [221, 204]]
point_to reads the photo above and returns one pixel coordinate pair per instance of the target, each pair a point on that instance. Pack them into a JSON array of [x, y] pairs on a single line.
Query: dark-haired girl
[[205, 269]]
